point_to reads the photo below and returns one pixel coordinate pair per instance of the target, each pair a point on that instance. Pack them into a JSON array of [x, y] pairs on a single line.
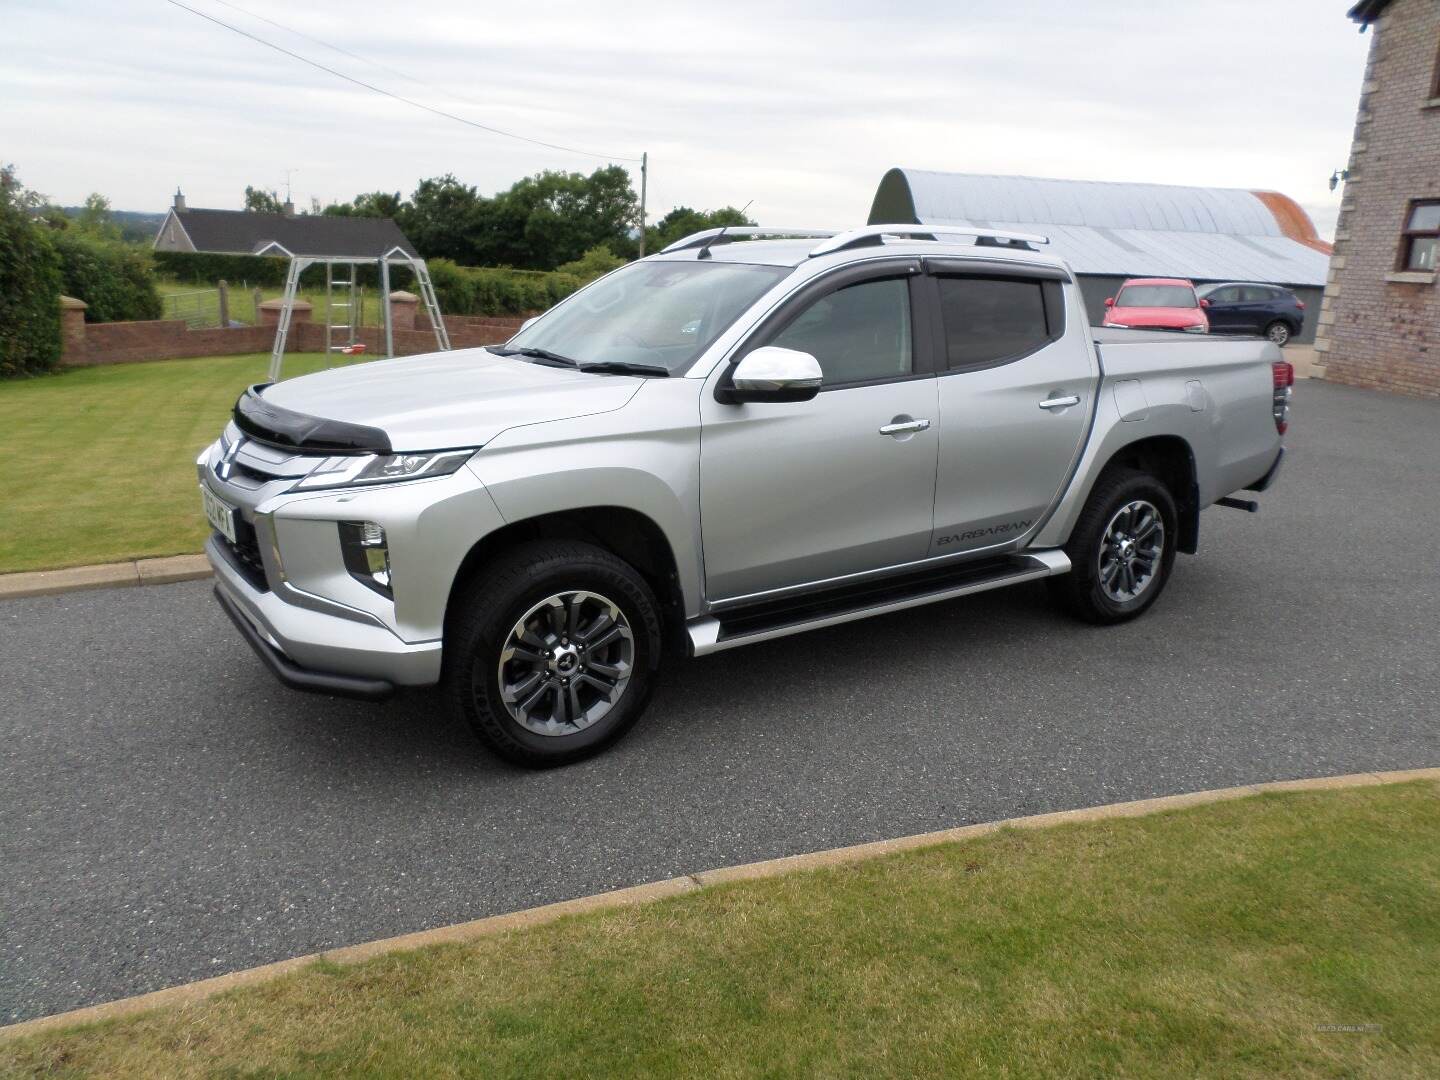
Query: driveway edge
[[190, 993], [118, 575]]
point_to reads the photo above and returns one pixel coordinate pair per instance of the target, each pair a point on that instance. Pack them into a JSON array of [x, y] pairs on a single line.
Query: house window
[[1420, 243]]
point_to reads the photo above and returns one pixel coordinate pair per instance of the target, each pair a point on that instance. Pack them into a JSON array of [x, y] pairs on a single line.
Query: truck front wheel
[[551, 652], [1121, 550]]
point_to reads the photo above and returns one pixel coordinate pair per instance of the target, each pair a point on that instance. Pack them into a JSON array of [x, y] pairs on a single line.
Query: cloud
[[801, 109]]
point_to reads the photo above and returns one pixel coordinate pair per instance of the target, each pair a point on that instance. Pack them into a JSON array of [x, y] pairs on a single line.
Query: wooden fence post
[[224, 304]]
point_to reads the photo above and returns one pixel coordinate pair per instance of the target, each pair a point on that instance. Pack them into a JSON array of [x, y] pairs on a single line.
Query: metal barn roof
[[1125, 230]]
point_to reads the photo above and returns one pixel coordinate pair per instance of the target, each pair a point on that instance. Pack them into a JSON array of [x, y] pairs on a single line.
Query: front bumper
[[318, 644], [292, 674]]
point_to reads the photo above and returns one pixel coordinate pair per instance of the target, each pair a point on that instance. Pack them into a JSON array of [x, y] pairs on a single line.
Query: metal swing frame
[[351, 304]]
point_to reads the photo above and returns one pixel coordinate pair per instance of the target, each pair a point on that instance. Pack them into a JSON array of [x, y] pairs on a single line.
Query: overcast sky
[[798, 106]]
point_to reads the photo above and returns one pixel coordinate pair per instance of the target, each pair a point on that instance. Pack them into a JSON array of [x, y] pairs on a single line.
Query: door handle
[[1060, 402], [905, 428]]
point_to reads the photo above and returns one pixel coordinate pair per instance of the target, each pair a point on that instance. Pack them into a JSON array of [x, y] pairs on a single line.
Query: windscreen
[[1176, 296], [663, 314]]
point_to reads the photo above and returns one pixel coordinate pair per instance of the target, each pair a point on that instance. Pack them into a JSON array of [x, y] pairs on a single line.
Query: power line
[[394, 96], [318, 41]]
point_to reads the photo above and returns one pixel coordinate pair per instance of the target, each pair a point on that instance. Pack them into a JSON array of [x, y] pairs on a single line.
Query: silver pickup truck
[[751, 434]]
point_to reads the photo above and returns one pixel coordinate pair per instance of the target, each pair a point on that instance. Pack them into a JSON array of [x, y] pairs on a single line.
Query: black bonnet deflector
[[275, 426]]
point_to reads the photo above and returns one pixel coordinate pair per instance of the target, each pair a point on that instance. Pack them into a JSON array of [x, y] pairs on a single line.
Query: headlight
[[383, 469]]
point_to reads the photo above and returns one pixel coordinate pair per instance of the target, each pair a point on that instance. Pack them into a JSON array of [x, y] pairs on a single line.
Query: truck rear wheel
[[1121, 550], [551, 652]]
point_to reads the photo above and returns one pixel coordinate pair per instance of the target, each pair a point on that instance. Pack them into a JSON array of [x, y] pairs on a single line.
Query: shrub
[[29, 295], [117, 281], [597, 262]]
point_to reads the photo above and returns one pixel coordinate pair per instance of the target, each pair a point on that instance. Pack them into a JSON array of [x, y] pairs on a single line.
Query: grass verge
[[98, 464], [1291, 934]]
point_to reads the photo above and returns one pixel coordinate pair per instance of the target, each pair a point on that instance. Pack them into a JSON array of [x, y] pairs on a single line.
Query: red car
[[1157, 303]]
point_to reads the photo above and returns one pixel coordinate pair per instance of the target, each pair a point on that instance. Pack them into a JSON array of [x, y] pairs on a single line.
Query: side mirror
[[1109, 301], [1204, 302], [771, 373], [529, 322]]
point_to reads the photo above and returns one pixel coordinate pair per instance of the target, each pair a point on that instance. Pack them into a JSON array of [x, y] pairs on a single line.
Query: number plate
[[219, 513]]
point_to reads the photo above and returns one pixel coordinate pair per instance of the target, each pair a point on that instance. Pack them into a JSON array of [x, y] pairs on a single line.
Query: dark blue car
[[1242, 307]]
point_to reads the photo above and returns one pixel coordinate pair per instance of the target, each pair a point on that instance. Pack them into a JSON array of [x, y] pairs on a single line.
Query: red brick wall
[[456, 323], [465, 333], [162, 339], [1376, 332]]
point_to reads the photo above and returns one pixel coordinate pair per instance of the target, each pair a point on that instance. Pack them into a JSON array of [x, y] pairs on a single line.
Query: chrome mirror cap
[[771, 373]]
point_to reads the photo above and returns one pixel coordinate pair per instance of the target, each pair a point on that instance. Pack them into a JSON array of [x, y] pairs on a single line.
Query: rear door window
[[989, 321]]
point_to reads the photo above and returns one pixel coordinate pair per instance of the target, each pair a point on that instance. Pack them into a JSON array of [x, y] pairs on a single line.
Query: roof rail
[[714, 235], [875, 234]]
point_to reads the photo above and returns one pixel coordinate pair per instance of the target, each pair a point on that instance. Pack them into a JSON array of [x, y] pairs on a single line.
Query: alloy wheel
[[1279, 333], [1131, 550], [566, 663]]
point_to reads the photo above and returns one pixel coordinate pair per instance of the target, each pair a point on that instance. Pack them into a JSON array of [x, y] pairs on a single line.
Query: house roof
[[246, 233], [1125, 230], [1368, 11]]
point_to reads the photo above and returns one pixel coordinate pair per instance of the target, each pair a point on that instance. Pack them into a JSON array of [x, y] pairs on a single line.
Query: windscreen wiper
[[620, 367], [534, 354]]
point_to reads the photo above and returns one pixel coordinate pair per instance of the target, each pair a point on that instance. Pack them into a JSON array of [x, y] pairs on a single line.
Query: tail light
[[1283, 379], [1300, 304]]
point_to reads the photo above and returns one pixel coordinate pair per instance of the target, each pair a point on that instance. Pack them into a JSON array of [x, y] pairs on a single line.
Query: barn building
[[1111, 231]]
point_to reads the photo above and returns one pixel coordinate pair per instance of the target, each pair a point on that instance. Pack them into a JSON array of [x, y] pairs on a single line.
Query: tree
[[259, 201], [682, 221], [566, 214], [441, 217], [376, 204], [95, 218], [29, 283]]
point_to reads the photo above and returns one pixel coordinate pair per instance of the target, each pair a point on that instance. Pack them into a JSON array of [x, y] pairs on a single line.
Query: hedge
[[198, 268], [263, 271], [475, 290], [29, 295], [461, 290], [115, 280]]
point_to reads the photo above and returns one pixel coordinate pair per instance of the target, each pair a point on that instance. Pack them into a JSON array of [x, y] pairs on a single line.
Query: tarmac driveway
[[168, 812]]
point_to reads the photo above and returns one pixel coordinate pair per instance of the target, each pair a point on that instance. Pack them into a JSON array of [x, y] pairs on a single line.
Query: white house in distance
[[242, 232], [1111, 231]]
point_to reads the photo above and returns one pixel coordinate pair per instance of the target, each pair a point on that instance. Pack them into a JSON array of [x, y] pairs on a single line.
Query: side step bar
[[762, 622]]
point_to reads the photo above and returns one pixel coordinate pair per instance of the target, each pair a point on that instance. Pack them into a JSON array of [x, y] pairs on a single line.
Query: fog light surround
[[367, 555]]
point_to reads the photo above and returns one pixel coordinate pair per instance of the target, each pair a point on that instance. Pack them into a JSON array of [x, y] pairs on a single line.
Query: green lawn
[[1292, 934], [98, 464], [203, 303]]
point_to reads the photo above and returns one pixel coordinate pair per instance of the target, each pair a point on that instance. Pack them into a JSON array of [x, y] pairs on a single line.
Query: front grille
[[245, 554]]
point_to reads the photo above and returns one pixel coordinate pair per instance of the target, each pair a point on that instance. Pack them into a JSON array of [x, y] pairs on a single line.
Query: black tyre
[[1121, 550], [551, 652], [1278, 332]]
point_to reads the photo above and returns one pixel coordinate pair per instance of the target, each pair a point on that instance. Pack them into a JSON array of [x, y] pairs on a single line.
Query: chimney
[[288, 207], [179, 201]]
